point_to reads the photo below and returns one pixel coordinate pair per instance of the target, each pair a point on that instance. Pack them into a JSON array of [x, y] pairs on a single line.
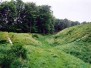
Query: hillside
[[77, 33], [76, 41], [70, 48]]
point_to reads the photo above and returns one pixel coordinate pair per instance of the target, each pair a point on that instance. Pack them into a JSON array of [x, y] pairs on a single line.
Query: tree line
[[17, 16]]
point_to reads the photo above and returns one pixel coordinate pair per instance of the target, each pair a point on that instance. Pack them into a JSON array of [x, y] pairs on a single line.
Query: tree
[[17, 16], [29, 16], [45, 20], [61, 24], [7, 15]]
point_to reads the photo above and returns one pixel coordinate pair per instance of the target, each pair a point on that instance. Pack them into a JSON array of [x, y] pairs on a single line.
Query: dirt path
[[10, 41]]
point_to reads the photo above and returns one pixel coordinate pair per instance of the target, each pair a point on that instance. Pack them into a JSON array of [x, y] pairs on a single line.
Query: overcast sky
[[76, 10]]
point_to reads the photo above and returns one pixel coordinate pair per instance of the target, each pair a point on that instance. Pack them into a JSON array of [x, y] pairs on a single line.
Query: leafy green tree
[[45, 19], [29, 16], [7, 15], [61, 24], [17, 16]]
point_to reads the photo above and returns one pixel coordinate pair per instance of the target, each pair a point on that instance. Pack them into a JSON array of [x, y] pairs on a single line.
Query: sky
[[75, 10]]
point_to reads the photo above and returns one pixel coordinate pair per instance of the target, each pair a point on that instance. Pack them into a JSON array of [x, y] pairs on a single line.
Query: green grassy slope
[[70, 48], [75, 41], [41, 58], [53, 58], [22, 38], [81, 32], [80, 49]]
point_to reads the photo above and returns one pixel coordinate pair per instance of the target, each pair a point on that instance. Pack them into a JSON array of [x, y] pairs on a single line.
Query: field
[[69, 48]]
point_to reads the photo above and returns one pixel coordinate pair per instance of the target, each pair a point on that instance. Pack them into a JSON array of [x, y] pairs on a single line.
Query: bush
[[35, 36], [6, 59], [13, 56], [3, 41], [19, 51], [17, 63]]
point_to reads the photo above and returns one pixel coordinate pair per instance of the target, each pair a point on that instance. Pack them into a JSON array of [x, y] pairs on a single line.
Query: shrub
[[10, 56], [17, 63], [35, 36], [6, 59], [19, 51], [3, 41]]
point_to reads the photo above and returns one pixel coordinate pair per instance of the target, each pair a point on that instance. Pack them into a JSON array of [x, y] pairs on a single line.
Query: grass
[[75, 41], [70, 48], [80, 50], [53, 58], [74, 33]]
